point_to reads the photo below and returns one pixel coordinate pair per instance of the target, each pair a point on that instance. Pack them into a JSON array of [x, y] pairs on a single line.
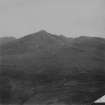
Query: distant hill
[[42, 68]]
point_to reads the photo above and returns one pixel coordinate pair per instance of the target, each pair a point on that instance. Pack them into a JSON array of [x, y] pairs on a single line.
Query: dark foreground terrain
[[45, 69]]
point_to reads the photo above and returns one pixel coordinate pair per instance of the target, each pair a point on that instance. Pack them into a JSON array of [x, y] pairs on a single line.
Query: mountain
[[43, 68]]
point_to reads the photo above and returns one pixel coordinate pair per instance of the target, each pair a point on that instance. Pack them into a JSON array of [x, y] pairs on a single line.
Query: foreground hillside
[[46, 69]]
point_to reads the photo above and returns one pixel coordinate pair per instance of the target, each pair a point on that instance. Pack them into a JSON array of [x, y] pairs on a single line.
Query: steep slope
[[42, 68]]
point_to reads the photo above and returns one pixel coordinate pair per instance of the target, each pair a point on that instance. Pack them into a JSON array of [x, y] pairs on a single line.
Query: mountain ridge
[[43, 68]]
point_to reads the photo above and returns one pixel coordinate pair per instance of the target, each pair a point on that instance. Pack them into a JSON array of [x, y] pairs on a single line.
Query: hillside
[[42, 68]]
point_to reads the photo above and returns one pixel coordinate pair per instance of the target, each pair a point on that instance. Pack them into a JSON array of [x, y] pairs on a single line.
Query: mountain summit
[[34, 42]]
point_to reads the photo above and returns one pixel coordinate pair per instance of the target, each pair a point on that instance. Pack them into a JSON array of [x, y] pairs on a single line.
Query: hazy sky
[[68, 17]]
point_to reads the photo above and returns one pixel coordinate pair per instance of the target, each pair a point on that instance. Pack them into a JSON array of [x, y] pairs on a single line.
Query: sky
[[68, 17]]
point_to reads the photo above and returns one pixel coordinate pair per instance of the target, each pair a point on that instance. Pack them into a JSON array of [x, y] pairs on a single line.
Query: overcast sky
[[68, 17]]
